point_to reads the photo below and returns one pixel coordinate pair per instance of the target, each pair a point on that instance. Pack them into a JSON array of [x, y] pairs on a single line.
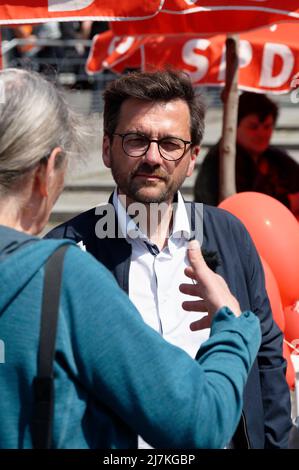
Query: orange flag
[[212, 17], [268, 57], [18, 11]]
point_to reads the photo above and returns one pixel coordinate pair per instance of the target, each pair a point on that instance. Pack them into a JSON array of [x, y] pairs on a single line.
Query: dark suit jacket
[[265, 421]]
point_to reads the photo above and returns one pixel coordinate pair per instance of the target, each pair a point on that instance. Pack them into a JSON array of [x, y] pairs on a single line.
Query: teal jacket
[[115, 377]]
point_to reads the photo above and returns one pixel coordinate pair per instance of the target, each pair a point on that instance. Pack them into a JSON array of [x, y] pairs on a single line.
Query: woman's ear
[[46, 171]]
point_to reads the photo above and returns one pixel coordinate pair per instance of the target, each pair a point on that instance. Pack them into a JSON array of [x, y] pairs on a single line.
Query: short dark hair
[[155, 86], [256, 103]]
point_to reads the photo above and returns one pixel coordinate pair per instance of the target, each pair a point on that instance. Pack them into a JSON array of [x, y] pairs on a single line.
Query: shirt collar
[[181, 225], [180, 228], [126, 224]]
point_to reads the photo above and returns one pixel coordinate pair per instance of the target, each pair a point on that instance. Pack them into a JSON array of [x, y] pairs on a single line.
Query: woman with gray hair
[[115, 377]]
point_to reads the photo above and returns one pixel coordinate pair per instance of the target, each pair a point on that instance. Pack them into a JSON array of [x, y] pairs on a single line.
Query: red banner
[[212, 17], [19, 11], [268, 57]]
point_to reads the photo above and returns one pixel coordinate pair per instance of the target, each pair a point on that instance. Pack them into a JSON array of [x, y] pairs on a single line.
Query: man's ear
[[194, 154], [45, 173], [106, 151]]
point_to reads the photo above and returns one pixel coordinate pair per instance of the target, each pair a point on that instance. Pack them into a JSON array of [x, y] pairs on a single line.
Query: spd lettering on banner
[[191, 57], [288, 60]]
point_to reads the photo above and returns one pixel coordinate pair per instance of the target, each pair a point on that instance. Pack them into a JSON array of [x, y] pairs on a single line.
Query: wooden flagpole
[[227, 163]]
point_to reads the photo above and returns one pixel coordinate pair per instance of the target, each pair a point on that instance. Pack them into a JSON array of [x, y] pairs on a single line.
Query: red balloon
[[275, 232], [290, 375], [274, 295], [291, 316]]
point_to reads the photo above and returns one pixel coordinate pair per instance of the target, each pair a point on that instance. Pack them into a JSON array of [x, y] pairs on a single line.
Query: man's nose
[[153, 156]]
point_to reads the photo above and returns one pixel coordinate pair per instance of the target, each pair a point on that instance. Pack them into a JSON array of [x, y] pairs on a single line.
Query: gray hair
[[34, 119]]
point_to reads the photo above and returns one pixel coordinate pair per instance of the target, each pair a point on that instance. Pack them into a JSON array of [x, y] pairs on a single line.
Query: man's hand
[[211, 287]]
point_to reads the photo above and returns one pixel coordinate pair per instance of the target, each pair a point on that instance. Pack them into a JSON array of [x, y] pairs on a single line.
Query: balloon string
[[291, 346]]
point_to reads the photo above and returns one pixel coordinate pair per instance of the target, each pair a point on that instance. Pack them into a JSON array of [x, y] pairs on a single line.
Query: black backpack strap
[[43, 384]]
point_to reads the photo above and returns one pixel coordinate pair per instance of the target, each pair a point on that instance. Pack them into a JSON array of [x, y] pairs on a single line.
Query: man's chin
[[150, 195]]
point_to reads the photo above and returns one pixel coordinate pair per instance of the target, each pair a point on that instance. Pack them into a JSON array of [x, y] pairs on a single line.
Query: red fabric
[[15, 11], [269, 57], [212, 17]]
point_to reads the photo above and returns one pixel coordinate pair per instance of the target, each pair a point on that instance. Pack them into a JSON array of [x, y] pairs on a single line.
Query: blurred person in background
[[260, 167]]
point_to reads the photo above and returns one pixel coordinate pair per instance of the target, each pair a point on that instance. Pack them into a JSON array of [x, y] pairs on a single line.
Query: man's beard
[[132, 188]]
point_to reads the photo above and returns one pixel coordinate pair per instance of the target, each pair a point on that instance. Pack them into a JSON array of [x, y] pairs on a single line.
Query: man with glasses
[[153, 126]]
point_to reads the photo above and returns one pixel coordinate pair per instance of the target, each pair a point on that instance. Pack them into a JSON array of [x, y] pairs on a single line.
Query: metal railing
[[65, 58], [69, 69]]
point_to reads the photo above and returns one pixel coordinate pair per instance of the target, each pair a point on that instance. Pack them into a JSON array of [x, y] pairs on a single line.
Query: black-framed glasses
[[170, 148]]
